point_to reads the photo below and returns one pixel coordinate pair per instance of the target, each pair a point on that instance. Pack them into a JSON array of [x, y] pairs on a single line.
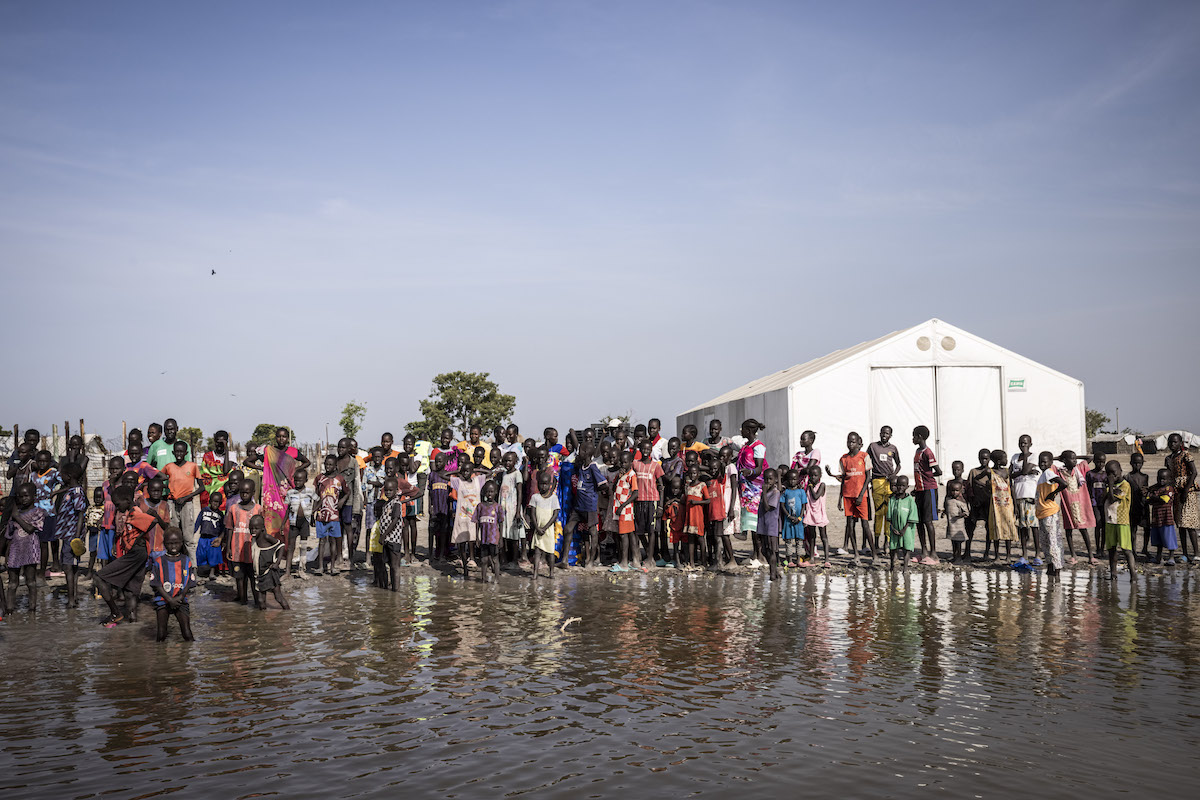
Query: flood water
[[969, 684]]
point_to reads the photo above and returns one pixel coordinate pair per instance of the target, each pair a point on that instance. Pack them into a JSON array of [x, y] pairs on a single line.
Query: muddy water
[[969, 684]]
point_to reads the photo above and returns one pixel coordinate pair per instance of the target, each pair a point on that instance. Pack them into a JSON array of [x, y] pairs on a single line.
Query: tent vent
[[923, 343], [948, 343]]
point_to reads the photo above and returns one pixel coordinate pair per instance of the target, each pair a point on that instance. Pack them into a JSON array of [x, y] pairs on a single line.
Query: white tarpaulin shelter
[[969, 392]]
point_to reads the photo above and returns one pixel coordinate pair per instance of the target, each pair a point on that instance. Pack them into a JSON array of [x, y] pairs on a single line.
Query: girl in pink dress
[[814, 518], [1075, 502]]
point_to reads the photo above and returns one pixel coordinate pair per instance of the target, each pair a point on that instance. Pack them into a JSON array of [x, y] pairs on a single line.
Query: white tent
[[969, 392]]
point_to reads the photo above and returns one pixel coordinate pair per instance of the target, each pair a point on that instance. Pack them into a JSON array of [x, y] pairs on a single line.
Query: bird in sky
[[214, 272]]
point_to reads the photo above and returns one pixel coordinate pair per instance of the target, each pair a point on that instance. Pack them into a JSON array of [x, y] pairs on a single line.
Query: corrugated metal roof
[[786, 377]]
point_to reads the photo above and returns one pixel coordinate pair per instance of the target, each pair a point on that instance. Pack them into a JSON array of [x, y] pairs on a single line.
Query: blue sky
[[608, 206]]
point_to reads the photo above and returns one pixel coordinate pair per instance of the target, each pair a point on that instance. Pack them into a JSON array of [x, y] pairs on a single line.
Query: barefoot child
[[440, 523], [68, 527], [768, 521], [183, 480], [268, 557], [210, 531], [978, 492], [1050, 524], [696, 501], [624, 493], [92, 520], [466, 485], [721, 512], [1117, 534], [1139, 482], [171, 580], [300, 500], [903, 515], [1024, 475], [488, 519], [543, 517], [956, 512], [925, 474], [1160, 500], [853, 497], [815, 517], [1075, 501], [239, 539], [791, 506], [332, 495], [24, 547], [1002, 523]]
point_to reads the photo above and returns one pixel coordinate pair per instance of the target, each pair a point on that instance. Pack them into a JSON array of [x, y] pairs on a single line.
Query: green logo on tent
[[1016, 384]]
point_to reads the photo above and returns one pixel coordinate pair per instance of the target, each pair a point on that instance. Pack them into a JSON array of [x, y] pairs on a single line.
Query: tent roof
[[786, 377]]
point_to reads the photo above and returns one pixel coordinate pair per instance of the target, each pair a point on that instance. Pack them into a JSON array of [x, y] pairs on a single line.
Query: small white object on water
[[563, 629]]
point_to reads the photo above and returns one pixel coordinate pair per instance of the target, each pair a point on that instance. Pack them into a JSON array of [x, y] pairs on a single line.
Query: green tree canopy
[[1095, 420], [193, 436], [264, 433], [459, 400], [352, 417]]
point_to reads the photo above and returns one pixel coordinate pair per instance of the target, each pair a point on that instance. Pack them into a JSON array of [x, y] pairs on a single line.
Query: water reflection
[[877, 681]]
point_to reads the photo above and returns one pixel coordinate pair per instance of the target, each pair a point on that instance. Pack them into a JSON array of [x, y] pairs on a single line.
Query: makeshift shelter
[[969, 392]]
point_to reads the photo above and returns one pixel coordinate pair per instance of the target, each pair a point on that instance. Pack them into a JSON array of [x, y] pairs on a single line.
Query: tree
[[459, 400], [352, 417], [264, 433], [1095, 420], [193, 436]]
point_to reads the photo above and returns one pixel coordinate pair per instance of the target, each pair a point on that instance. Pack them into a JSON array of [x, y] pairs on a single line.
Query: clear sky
[[608, 206]]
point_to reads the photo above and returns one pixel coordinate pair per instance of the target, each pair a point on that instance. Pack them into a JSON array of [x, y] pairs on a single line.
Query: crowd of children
[[614, 497]]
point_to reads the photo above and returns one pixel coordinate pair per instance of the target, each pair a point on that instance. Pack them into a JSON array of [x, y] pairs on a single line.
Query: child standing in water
[[1097, 485], [768, 521], [902, 518], [24, 546], [815, 517], [696, 501], [171, 579], [543, 517], [488, 519], [332, 495], [72, 502], [1160, 499], [122, 577], [440, 523], [239, 539], [93, 519], [791, 506], [210, 530], [512, 529], [956, 520], [465, 485], [853, 498], [268, 557]]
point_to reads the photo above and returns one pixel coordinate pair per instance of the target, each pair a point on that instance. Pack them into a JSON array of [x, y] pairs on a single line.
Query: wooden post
[[54, 438], [67, 429], [81, 433], [124, 435], [16, 436]]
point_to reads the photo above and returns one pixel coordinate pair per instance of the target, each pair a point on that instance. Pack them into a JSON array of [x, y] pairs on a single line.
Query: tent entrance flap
[[960, 406], [969, 413], [903, 397]]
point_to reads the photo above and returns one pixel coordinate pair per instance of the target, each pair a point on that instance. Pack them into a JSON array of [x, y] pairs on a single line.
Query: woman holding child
[[278, 463]]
